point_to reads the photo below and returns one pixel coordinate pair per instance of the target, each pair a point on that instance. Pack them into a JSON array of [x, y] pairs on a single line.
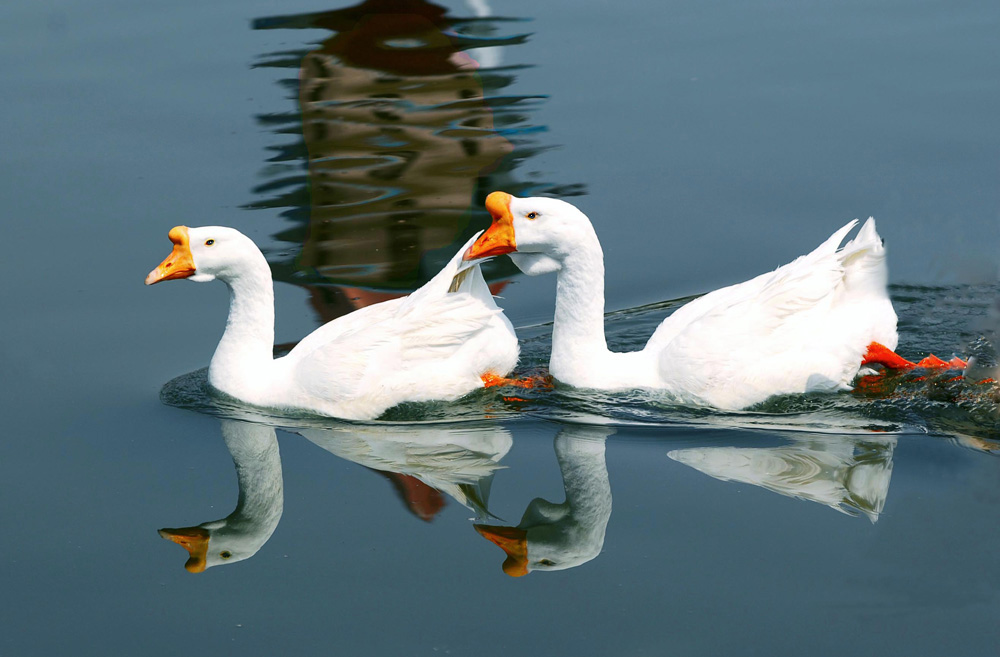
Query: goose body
[[804, 327], [434, 344]]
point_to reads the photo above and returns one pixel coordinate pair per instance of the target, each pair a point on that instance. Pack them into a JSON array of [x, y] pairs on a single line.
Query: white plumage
[[432, 345], [804, 327]]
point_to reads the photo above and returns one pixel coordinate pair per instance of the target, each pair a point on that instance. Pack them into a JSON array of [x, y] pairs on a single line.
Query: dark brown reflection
[[404, 133]]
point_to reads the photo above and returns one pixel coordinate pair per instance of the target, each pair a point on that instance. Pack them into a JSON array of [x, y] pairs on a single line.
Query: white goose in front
[[807, 326], [439, 343]]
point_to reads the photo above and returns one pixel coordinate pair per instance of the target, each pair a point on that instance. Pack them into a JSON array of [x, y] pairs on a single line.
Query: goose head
[[206, 253], [538, 233], [219, 542]]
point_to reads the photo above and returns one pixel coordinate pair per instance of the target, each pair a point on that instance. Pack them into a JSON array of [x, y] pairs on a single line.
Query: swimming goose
[[807, 326], [441, 342]]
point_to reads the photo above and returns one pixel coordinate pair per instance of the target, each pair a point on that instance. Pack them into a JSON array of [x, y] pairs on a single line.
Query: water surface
[[355, 144]]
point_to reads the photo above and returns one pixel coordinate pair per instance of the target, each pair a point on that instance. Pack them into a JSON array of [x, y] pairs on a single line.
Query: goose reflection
[[459, 462], [560, 536], [238, 536], [848, 473], [425, 463]]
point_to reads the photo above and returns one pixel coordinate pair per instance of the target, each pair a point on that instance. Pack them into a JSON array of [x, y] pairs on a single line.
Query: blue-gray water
[[708, 142]]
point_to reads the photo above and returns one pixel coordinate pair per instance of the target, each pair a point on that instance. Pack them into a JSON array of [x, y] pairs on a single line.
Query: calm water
[[355, 143]]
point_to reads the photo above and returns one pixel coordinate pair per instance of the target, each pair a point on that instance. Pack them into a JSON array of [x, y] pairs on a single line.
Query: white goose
[[807, 326], [441, 342]]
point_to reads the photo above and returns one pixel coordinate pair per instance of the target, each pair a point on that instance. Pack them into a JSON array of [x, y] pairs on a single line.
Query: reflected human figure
[[238, 536], [403, 132], [566, 535], [848, 473], [397, 133]]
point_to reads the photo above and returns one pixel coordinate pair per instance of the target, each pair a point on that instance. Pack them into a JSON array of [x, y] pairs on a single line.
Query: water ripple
[[912, 402]]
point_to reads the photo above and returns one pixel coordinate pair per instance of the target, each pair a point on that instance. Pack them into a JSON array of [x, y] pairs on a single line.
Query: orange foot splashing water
[[879, 354], [490, 380]]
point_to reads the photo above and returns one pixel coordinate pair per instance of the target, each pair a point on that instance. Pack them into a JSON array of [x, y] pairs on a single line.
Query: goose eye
[[225, 554], [532, 215], [209, 242]]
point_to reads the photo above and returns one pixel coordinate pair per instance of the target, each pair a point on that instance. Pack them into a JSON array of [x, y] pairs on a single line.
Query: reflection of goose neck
[[584, 470], [560, 536], [258, 474], [241, 534]]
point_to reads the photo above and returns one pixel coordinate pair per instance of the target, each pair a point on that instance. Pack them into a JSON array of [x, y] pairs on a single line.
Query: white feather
[[432, 345], [802, 327]]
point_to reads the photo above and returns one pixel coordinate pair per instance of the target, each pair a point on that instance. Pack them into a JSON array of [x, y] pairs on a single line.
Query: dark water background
[[708, 142]]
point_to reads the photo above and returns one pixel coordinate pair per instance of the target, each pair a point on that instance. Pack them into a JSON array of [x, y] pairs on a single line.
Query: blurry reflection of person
[[399, 136]]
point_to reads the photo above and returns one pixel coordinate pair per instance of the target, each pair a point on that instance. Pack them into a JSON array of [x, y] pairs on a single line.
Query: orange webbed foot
[[932, 362], [879, 354], [491, 380]]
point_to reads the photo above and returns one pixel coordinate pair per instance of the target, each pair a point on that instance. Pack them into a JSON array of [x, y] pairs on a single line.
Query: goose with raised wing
[[443, 341], [807, 326]]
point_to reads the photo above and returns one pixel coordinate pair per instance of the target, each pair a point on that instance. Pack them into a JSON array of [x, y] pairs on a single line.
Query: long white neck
[[245, 353], [578, 328]]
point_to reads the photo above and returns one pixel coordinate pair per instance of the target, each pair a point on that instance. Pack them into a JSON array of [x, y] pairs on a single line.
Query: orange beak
[[499, 237], [511, 540], [192, 539], [180, 262]]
